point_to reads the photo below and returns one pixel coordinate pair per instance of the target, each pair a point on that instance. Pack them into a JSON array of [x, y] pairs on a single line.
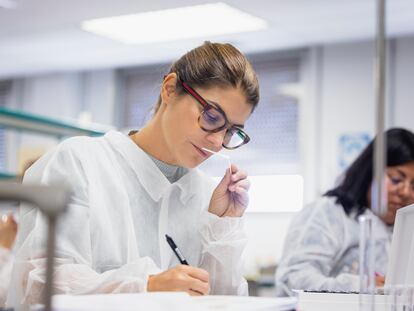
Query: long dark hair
[[353, 190]]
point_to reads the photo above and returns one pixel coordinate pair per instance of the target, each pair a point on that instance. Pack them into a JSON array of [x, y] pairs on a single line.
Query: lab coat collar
[[190, 184], [151, 178]]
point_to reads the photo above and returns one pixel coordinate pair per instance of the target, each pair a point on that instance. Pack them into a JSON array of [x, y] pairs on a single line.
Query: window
[[141, 90], [5, 90]]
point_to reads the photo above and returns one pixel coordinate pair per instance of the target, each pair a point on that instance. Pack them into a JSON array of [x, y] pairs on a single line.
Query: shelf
[[6, 176], [23, 121]]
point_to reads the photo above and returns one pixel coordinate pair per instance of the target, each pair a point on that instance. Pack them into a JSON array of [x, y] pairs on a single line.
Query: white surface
[[169, 301], [339, 302], [34, 40], [240, 303], [125, 302], [400, 269]]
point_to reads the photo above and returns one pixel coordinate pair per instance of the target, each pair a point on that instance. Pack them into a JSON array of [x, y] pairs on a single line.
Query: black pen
[[176, 250]]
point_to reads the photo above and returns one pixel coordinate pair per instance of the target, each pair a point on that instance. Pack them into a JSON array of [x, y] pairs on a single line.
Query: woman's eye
[[395, 181], [212, 118]]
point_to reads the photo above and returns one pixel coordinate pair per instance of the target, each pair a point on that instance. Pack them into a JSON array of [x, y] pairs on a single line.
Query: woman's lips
[[201, 152]]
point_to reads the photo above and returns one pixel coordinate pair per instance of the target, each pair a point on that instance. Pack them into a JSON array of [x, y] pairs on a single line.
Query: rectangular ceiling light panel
[[175, 24]]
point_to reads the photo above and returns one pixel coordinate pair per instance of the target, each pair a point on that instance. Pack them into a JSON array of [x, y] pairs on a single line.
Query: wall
[[347, 96], [404, 86], [347, 100], [63, 96]]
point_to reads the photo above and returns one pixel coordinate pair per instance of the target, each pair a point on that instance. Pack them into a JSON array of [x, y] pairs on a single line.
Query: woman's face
[[182, 132], [400, 189]]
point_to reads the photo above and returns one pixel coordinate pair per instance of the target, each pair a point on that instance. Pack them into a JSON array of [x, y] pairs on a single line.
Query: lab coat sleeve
[[223, 242], [6, 260], [310, 253], [74, 272]]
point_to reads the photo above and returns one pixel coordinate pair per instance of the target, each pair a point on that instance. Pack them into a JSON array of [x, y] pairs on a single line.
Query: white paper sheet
[[164, 301]]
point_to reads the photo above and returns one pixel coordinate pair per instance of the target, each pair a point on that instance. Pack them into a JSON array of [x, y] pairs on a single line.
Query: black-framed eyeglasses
[[213, 119]]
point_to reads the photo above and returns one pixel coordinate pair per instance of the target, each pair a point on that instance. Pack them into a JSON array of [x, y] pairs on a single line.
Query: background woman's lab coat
[[321, 250], [112, 237]]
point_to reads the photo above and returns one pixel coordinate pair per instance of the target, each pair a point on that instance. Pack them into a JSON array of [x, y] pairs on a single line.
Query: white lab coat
[[321, 250], [112, 237], [6, 263]]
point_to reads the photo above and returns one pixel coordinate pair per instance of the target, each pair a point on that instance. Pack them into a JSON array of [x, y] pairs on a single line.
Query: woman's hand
[[8, 230], [230, 198], [379, 281], [181, 278]]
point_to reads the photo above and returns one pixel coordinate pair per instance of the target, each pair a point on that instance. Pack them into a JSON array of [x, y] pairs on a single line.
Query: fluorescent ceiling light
[[175, 24]]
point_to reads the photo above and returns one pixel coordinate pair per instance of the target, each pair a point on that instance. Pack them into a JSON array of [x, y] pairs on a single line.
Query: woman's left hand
[[230, 198], [8, 230]]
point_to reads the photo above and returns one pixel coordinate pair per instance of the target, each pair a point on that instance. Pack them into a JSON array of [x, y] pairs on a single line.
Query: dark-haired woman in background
[[321, 248]]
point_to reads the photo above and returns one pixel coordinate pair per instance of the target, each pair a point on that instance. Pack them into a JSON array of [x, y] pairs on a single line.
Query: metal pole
[[366, 263], [50, 262], [52, 201], [378, 199], [378, 195]]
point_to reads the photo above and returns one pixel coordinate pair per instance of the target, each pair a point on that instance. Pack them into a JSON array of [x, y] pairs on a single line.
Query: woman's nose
[[216, 139]]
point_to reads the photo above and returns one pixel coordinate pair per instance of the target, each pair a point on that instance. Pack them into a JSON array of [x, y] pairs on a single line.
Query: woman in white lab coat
[[129, 191], [321, 249]]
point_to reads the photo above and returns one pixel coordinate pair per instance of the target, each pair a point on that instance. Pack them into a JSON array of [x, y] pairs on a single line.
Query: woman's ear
[[168, 91]]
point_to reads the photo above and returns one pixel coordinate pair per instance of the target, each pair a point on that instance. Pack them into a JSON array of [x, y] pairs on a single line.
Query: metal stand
[[50, 200], [366, 264], [378, 195]]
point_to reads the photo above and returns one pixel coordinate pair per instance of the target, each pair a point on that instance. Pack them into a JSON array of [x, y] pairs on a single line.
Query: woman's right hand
[[182, 278]]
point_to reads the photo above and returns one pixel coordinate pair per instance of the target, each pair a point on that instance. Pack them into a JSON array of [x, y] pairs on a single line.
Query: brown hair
[[216, 64]]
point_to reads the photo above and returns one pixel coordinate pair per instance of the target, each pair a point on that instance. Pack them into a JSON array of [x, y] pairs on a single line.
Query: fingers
[[225, 181], [196, 273], [199, 287], [240, 186], [180, 278], [243, 184], [237, 174], [234, 176], [198, 281], [242, 197], [194, 293]]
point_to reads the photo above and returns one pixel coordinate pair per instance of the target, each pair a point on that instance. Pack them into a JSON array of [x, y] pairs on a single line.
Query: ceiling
[[41, 36]]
